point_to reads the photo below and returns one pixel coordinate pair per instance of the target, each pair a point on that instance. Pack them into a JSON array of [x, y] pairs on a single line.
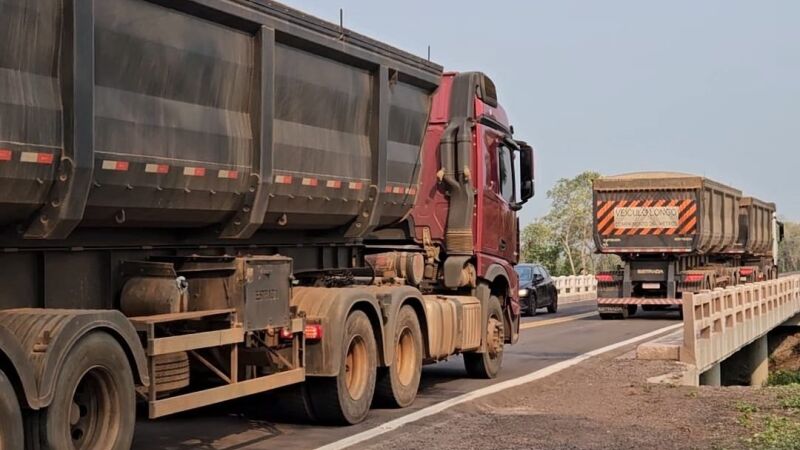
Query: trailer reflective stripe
[[602, 211], [388, 189], [398, 190], [194, 171], [310, 181], [228, 174], [283, 179], [38, 158], [411, 190], [5, 154], [334, 184], [118, 166], [156, 168], [688, 208], [355, 185], [604, 224]]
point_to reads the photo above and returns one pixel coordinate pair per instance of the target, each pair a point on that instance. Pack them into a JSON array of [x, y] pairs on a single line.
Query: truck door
[[498, 222]]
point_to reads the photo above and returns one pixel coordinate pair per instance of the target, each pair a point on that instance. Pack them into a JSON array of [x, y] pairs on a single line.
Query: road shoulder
[[602, 403]]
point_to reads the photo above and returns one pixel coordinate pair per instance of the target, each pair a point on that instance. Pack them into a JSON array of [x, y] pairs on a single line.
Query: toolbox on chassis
[[677, 233], [206, 199]]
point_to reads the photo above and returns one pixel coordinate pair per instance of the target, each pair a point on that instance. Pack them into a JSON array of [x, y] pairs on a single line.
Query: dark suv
[[536, 289]]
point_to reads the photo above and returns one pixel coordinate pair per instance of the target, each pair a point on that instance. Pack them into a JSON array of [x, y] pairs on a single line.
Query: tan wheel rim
[[93, 411], [405, 359], [356, 367], [494, 337]]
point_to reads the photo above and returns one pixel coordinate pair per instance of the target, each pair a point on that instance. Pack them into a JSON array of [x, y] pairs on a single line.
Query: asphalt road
[[243, 424]]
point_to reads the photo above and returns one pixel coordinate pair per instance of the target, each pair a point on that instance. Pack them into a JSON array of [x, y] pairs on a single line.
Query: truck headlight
[[523, 292]]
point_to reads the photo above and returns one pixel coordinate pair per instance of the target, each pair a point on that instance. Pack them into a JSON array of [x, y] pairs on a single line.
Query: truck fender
[[391, 299], [16, 365], [330, 307], [46, 337]]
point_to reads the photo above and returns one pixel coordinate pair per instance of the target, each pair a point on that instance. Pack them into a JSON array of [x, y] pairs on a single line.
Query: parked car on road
[[536, 289]]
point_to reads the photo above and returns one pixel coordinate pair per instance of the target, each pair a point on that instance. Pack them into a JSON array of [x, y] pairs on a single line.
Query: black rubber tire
[[331, 401], [98, 363], [552, 308], [295, 404], [606, 316], [632, 310], [394, 389], [11, 436], [485, 365], [533, 306]]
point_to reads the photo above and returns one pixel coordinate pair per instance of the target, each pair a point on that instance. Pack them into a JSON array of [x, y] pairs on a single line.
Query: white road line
[[493, 389], [542, 323]]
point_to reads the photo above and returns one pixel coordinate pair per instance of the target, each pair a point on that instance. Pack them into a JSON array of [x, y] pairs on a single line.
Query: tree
[[570, 219], [539, 245]]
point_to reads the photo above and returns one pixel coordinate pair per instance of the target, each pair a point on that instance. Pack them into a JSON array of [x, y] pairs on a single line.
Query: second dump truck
[[207, 199], [678, 233]]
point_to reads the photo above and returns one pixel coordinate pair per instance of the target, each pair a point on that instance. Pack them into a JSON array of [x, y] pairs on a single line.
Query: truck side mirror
[[527, 187]]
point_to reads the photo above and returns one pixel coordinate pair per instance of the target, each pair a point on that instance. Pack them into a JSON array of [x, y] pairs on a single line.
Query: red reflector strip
[[283, 179], [156, 168], [693, 278], [120, 166], [313, 332], [356, 185], [334, 184], [5, 155], [388, 189], [411, 191], [194, 171], [38, 158], [604, 278], [398, 190], [746, 271], [310, 181], [228, 174]]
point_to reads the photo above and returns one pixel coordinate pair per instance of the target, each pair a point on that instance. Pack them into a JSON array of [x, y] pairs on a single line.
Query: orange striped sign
[[646, 217]]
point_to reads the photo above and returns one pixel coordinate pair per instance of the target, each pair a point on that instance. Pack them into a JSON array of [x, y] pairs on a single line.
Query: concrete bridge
[[724, 336]]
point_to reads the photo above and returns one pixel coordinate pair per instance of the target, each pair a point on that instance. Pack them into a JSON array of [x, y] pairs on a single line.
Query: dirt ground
[[604, 403]]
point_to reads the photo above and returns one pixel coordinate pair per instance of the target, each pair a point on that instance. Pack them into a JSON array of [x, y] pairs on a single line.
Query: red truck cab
[[474, 179]]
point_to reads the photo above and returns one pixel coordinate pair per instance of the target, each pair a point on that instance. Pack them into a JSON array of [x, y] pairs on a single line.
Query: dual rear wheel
[[93, 406]]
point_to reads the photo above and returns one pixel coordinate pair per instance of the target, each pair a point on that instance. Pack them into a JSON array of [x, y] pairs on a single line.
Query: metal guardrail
[[577, 287], [719, 323]]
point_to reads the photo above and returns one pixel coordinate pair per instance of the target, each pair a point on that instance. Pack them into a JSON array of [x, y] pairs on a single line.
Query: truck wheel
[[93, 406], [11, 437], [346, 398], [632, 309], [487, 365], [398, 384]]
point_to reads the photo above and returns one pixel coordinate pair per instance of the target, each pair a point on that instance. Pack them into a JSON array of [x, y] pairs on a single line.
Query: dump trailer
[[677, 233], [208, 199]]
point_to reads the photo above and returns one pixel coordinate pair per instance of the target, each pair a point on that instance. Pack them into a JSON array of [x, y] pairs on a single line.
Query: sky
[[708, 87]]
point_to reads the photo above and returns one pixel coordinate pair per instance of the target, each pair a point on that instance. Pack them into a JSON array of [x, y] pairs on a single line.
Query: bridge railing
[[577, 287], [719, 323]]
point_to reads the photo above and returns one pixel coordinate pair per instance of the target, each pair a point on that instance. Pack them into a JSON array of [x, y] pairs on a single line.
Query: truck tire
[[295, 404], [487, 364], [11, 437], [398, 384], [345, 399], [93, 406]]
